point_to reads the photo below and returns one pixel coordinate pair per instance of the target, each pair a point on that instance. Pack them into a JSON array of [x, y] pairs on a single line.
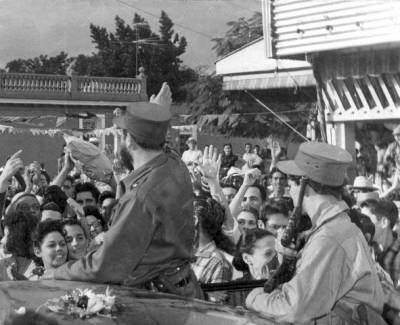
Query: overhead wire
[[211, 38]]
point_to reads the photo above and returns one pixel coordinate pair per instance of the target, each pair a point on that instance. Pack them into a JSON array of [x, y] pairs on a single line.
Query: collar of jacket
[[137, 174], [328, 211], [206, 251]]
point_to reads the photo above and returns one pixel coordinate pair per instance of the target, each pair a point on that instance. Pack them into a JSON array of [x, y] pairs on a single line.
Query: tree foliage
[[41, 64], [240, 32], [121, 52], [235, 113]]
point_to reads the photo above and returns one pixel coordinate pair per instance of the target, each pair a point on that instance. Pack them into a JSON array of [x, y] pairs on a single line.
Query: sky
[[29, 28]]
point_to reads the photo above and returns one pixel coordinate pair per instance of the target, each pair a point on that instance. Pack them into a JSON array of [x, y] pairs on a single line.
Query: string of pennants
[[50, 125]]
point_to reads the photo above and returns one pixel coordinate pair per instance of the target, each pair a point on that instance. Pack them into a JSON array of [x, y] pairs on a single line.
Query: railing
[[42, 86]]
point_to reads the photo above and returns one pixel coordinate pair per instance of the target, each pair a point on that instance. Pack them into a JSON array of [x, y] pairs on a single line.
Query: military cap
[[396, 130], [321, 162], [147, 122]]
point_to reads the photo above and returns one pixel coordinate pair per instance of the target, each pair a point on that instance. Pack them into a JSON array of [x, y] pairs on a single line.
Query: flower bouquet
[[84, 304]]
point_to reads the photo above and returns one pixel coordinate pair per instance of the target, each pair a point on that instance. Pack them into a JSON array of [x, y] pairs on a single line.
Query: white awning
[[293, 79]]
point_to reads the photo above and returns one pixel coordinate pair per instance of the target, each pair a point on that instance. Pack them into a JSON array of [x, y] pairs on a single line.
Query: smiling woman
[[49, 244]]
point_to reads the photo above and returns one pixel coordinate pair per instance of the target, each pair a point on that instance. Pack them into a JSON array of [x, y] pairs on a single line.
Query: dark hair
[[389, 210], [44, 228], [323, 189], [56, 195], [250, 209], [106, 195], [363, 222], [148, 145], [211, 216], [87, 187], [19, 240], [273, 207], [370, 203], [94, 211], [246, 245], [227, 144], [73, 222], [261, 188], [46, 175], [50, 206], [257, 146], [277, 170]]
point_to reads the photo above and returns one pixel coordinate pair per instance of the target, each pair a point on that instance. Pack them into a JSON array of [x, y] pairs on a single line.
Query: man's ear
[[247, 258], [385, 222], [37, 251]]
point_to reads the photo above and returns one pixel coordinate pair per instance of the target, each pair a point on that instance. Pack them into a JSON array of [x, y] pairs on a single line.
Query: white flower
[[21, 311]]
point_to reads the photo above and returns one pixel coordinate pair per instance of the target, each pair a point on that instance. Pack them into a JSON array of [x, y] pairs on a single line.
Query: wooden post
[[344, 136]]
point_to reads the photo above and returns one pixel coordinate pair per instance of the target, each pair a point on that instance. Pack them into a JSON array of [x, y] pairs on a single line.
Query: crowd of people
[[173, 223]]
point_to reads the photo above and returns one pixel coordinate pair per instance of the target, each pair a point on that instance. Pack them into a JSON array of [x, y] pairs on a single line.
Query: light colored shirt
[[211, 266], [190, 157], [335, 265]]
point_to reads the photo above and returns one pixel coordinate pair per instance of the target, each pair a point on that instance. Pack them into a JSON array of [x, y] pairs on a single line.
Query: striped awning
[[294, 79]]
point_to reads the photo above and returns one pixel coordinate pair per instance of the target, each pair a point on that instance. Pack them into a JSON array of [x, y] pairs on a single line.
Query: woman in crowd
[[18, 228], [256, 256], [49, 245], [26, 203], [247, 219], [96, 225], [211, 266], [76, 238]]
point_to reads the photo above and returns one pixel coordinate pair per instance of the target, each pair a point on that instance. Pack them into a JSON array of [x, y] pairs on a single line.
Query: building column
[[344, 135]]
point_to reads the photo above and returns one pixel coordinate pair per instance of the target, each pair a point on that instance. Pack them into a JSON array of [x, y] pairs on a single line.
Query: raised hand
[[250, 176], [164, 97], [210, 164], [13, 165]]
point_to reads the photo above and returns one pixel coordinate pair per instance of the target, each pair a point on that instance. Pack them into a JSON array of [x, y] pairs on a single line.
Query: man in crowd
[[150, 241], [335, 272], [278, 183], [86, 194]]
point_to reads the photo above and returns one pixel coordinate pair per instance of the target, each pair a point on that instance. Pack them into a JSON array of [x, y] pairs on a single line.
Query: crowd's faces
[[263, 253], [191, 145], [247, 148], [278, 182], [106, 208], [277, 222], [252, 198], [68, 189], [53, 250], [256, 150], [50, 215], [28, 205], [227, 150], [95, 226], [229, 193], [246, 221], [85, 199], [76, 240]]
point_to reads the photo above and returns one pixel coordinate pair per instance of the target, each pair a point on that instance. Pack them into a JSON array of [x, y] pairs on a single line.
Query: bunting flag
[[56, 131]]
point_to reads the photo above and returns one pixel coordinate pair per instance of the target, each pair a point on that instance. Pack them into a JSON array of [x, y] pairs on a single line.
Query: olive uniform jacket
[[334, 267], [152, 229]]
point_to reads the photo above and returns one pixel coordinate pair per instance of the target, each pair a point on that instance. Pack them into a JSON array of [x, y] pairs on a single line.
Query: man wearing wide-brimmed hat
[[150, 241], [334, 272]]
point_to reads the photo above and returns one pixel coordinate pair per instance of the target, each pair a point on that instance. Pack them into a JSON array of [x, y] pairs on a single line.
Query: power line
[[176, 24]]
